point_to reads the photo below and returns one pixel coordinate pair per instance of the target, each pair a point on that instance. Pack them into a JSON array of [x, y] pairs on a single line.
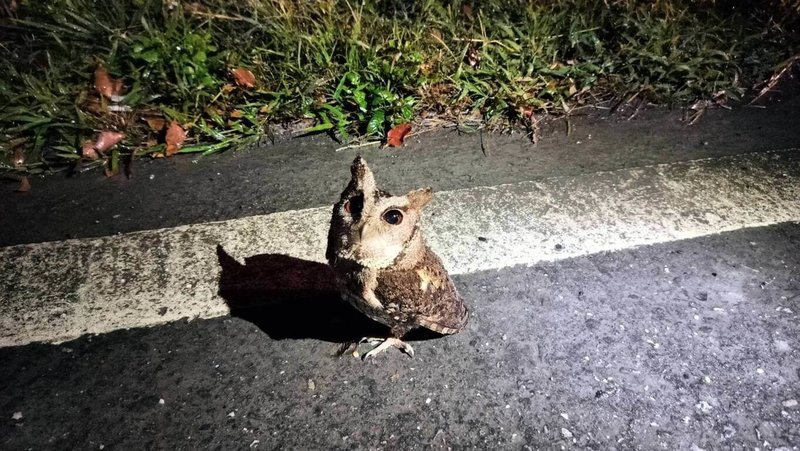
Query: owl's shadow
[[288, 297]]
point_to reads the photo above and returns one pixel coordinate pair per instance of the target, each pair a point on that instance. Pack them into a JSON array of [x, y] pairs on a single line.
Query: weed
[[356, 69]]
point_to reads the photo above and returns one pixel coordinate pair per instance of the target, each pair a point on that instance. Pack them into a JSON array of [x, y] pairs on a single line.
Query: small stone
[[232, 414], [559, 247], [782, 346], [704, 407], [428, 401], [311, 385], [161, 401], [17, 416], [696, 448], [760, 370], [565, 416], [789, 403], [566, 433]]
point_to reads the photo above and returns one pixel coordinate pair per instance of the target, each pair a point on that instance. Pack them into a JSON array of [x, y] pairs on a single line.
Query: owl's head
[[371, 227]]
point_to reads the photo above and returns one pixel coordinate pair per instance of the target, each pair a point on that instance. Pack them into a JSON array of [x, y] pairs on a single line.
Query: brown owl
[[383, 266]]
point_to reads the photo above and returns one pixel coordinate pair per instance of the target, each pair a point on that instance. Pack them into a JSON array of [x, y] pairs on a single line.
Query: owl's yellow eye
[[393, 217]]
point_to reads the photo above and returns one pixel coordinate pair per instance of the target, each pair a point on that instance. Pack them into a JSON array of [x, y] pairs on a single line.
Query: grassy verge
[[355, 69]]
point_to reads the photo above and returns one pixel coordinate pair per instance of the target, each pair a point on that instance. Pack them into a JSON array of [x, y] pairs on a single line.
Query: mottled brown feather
[[440, 309]]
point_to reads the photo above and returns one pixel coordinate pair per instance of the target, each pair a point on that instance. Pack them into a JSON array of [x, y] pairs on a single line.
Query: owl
[[383, 267]]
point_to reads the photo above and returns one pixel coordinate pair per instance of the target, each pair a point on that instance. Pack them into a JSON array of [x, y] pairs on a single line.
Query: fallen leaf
[[175, 138], [244, 77], [88, 151], [157, 123], [108, 139], [108, 87], [397, 134], [236, 114], [525, 111], [24, 185]]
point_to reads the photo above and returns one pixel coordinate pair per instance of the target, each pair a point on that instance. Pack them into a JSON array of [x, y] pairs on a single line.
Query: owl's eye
[[393, 217], [354, 205]]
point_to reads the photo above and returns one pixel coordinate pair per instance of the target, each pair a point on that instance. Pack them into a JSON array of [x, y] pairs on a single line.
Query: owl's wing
[[426, 294]]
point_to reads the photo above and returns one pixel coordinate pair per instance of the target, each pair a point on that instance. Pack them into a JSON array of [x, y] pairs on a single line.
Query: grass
[[356, 69]]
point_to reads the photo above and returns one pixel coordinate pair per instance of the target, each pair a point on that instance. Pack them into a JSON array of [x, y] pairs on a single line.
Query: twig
[[636, 111], [484, 146], [356, 146], [773, 81]]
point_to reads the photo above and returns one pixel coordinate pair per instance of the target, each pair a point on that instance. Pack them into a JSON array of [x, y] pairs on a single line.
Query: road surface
[[635, 285]]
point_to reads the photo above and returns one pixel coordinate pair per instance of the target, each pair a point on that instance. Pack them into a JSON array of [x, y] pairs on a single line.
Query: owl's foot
[[386, 343]]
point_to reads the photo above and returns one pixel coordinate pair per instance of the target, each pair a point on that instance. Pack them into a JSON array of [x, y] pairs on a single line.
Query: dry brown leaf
[[108, 87], [108, 139], [397, 134], [24, 185], [176, 135], [227, 88], [236, 114], [88, 151], [157, 123], [525, 111], [244, 77]]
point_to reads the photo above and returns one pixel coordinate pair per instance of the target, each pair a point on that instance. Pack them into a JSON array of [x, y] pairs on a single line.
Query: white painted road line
[[59, 291]]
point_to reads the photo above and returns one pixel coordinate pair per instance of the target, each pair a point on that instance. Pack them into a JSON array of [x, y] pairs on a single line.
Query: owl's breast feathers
[[424, 294]]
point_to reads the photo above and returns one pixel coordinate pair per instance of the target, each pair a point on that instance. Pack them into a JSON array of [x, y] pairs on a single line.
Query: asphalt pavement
[[634, 285]]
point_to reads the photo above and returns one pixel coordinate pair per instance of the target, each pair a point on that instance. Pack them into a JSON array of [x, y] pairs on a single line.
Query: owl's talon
[[386, 344], [372, 341]]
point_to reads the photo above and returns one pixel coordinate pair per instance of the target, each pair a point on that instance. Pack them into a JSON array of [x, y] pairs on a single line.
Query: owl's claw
[[384, 344]]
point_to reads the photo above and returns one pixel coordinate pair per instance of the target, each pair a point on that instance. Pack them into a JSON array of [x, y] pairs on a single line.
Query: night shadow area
[[288, 297]]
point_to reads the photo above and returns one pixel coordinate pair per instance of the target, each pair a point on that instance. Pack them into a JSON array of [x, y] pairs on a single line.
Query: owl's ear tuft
[[419, 198], [362, 176]]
